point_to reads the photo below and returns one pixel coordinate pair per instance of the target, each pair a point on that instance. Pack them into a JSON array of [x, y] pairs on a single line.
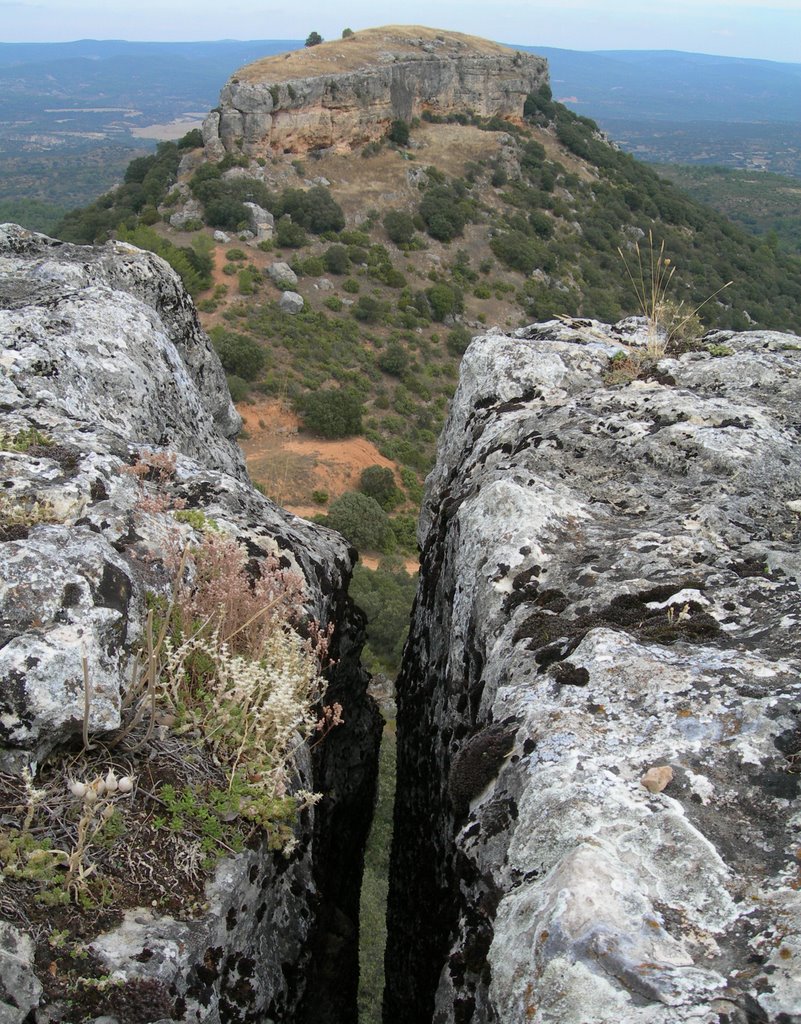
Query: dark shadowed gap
[[373, 926]]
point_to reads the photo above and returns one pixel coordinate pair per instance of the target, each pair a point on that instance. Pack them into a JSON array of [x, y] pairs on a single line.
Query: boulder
[[598, 711], [261, 221], [283, 275], [190, 211], [291, 302]]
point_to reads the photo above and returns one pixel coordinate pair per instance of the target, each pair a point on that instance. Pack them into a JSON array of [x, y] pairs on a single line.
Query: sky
[[767, 29]]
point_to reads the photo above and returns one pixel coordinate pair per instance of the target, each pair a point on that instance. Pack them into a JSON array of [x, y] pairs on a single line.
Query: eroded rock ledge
[[345, 93], [102, 354], [609, 586]]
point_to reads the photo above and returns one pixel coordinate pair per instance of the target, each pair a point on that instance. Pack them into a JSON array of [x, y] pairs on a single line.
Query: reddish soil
[[291, 465]]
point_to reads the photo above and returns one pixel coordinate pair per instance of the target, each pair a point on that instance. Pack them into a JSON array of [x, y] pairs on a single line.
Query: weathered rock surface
[[291, 302], [102, 353], [609, 586], [282, 274], [346, 93]]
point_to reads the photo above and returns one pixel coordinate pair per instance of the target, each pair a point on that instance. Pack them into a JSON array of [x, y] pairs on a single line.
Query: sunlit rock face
[[104, 367], [599, 737], [346, 93]]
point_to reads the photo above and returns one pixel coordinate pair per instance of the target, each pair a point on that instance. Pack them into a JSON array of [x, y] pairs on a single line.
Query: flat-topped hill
[[343, 94], [365, 49]]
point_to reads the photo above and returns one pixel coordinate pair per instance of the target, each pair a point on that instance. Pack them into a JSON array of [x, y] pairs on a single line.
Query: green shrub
[[334, 303], [361, 521], [379, 482], [192, 140], [320, 497], [289, 235], [350, 285], [245, 281], [414, 489], [446, 208], [336, 259], [444, 301], [314, 209], [404, 526], [238, 388], [236, 255], [368, 309], [239, 354], [394, 359], [385, 596], [399, 133], [458, 340], [332, 412]]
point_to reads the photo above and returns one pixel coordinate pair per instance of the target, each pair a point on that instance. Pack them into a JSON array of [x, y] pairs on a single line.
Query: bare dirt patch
[[292, 465]]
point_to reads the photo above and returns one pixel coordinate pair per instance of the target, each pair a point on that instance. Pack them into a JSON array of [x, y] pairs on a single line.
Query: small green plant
[[719, 350], [320, 497], [196, 519], [26, 513], [23, 440]]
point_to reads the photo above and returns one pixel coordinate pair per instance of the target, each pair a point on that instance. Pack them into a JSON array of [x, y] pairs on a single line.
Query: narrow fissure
[[375, 886]]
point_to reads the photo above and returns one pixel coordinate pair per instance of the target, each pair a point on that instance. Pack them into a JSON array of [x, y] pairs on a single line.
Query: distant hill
[[671, 107], [667, 85], [70, 112], [766, 204]]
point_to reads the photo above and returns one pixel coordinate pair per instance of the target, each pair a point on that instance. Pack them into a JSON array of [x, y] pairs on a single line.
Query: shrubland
[[488, 223]]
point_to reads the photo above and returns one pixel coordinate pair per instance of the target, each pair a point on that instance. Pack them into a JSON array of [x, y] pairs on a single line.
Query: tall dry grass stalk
[[666, 318]]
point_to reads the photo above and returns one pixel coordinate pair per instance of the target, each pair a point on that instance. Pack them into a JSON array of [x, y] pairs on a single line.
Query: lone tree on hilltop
[[313, 39]]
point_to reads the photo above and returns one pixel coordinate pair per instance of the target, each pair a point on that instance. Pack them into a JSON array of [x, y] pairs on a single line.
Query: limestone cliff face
[[103, 354], [599, 737], [343, 94]]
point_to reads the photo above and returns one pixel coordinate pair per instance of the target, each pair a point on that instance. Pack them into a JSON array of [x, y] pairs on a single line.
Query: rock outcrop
[[105, 369], [346, 93], [599, 734]]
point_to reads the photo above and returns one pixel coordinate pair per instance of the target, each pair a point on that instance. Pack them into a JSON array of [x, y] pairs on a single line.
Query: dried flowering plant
[[233, 668]]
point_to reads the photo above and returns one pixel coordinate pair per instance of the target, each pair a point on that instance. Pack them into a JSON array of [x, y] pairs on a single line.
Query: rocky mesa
[[598, 714], [343, 94]]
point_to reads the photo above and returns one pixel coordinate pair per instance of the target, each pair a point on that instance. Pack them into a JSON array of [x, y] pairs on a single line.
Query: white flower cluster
[[250, 711]]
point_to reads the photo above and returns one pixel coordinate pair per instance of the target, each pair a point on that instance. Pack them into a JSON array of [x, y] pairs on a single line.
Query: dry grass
[[361, 50]]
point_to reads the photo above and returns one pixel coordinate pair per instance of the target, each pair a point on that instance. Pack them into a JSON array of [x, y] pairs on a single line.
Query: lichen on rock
[[615, 569], [117, 441]]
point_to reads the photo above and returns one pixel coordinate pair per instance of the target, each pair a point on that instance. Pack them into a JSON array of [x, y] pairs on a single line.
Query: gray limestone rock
[[20, 989], [102, 354], [283, 275], [261, 221], [191, 210], [614, 571], [291, 302]]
